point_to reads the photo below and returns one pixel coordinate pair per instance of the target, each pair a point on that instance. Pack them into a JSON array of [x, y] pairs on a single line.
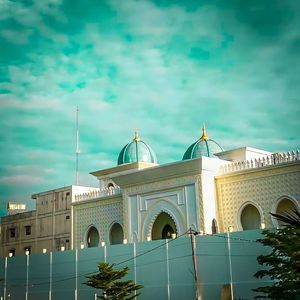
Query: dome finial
[[204, 136], [136, 135]]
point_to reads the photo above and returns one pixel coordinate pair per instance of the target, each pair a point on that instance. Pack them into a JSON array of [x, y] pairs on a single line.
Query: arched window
[[214, 226], [110, 185], [163, 227], [250, 217], [92, 237], [285, 206], [116, 234]]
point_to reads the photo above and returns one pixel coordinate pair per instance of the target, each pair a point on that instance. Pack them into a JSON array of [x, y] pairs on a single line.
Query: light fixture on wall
[[81, 245], [102, 244], [44, 250], [148, 238], [230, 228], [125, 241], [173, 236], [62, 248], [10, 254], [27, 252], [262, 225]]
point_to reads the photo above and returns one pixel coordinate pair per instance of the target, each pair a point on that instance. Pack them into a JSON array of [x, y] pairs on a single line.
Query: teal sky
[[162, 66]]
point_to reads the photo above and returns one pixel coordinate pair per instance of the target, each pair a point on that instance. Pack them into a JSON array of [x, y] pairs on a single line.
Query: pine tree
[[108, 280], [283, 262]]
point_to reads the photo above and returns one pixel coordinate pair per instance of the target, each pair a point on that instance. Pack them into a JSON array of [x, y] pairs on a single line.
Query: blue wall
[[165, 270]]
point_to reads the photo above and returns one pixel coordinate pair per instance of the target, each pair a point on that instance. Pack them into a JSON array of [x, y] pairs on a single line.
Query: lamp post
[[229, 260], [5, 278], [27, 273]]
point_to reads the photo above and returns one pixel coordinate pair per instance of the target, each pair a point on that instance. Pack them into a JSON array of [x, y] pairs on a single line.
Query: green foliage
[[108, 280], [283, 262]]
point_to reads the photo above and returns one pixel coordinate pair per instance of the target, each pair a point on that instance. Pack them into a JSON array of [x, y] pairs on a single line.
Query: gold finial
[[136, 135], [204, 136]]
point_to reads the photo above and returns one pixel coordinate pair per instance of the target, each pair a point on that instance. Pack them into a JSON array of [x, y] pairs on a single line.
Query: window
[[116, 234], [214, 226], [92, 237], [67, 217], [28, 230], [285, 206], [12, 232], [110, 185], [250, 217]]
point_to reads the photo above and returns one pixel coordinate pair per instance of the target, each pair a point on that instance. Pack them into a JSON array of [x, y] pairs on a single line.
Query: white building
[[210, 190]]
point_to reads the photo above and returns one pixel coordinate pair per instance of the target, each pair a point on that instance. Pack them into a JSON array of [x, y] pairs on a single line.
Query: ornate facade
[[210, 190]]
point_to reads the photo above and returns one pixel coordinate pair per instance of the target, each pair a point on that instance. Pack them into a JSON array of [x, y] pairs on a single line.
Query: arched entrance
[[92, 237], [284, 207], [163, 227], [250, 217], [116, 234]]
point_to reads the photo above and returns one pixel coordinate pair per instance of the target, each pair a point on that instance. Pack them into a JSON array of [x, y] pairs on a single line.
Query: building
[[48, 228], [210, 190]]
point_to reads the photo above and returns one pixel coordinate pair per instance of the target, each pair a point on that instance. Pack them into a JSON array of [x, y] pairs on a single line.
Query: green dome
[[202, 147], [137, 151]]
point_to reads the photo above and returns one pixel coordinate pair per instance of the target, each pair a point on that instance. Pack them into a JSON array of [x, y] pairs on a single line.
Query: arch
[[116, 234], [284, 205], [162, 206], [250, 216], [163, 227], [214, 226], [92, 237]]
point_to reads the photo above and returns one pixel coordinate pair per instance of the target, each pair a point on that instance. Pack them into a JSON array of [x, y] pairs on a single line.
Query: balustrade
[[104, 192], [274, 159]]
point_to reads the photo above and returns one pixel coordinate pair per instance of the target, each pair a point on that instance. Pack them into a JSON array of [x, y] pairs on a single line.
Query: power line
[[149, 251]]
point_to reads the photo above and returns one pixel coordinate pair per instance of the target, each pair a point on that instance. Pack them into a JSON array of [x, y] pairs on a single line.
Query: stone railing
[[109, 191], [271, 160]]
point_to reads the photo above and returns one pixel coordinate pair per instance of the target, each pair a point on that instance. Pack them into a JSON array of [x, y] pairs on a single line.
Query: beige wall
[[50, 223], [21, 240], [99, 213], [262, 187]]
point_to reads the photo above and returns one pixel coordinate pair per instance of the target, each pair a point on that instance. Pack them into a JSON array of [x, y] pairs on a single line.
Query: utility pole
[[193, 244], [77, 145]]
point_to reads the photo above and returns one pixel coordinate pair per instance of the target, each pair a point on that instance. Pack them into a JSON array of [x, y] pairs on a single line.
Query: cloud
[[23, 175], [17, 37], [129, 65]]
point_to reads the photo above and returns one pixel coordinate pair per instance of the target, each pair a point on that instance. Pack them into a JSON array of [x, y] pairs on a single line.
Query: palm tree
[[289, 218]]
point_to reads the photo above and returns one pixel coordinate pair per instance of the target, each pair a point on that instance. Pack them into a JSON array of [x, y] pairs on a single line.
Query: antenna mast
[[77, 145]]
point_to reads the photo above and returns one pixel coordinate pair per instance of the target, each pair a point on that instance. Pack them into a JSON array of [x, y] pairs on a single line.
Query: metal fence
[[164, 267]]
